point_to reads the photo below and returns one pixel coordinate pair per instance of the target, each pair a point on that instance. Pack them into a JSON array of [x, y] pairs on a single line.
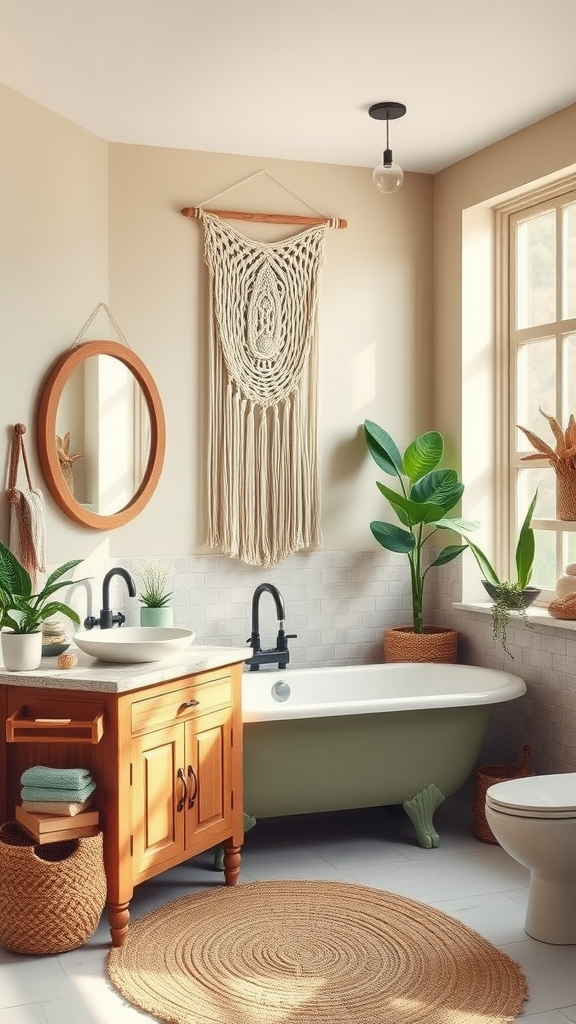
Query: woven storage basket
[[51, 896], [486, 776], [401, 643]]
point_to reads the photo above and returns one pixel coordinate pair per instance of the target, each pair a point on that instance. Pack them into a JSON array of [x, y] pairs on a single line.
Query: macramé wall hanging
[[263, 473]]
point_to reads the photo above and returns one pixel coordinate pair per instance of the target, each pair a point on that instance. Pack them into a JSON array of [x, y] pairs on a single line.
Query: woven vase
[[401, 643], [51, 896], [566, 497]]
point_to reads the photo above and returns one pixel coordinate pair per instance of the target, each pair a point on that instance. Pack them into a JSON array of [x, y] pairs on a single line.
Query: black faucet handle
[[90, 622]]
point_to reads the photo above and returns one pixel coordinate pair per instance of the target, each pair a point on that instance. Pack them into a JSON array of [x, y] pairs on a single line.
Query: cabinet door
[[209, 778], [158, 807]]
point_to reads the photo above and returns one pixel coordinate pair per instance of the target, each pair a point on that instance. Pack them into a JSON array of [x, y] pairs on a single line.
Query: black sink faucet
[[107, 617], [279, 654]]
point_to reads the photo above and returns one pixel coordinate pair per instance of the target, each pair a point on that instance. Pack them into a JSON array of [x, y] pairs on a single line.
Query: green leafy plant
[[427, 495], [154, 574], [510, 595], [21, 610]]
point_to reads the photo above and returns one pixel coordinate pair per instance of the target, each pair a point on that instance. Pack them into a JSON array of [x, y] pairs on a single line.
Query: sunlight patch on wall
[[364, 377]]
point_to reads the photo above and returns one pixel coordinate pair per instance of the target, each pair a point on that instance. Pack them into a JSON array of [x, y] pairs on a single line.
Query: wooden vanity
[[162, 741]]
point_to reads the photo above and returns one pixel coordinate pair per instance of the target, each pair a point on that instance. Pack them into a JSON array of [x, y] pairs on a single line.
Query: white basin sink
[[132, 644]]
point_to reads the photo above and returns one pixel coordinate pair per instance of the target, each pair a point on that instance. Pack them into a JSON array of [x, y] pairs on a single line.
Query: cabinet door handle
[[182, 801], [192, 797], [189, 704]]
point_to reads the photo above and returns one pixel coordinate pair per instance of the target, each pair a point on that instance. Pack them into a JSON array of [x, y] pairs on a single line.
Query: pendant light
[[387, 176]]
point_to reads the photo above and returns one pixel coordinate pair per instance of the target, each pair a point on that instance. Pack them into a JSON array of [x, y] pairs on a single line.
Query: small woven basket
[[401, 643], [487, 776], [51, 896]]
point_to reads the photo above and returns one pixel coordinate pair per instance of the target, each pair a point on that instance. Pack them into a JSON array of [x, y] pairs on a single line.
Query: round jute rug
[[290, 952]]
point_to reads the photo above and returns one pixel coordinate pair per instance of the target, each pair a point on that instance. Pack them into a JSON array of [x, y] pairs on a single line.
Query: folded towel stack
[[56, 790]]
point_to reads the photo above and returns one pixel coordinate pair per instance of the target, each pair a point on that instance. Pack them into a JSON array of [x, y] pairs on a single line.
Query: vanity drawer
[[180, 705]]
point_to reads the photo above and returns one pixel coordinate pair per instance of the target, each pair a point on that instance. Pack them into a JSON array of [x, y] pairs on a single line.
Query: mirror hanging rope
[[92, 317]]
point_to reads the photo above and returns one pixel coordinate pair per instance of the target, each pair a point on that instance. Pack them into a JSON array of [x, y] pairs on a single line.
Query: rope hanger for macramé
[[196, 212]]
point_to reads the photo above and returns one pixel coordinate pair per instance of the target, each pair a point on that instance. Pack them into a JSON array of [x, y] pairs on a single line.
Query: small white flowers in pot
[[155, 592]]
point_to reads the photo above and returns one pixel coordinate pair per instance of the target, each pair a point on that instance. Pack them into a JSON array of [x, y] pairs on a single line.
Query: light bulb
[[387, 176]]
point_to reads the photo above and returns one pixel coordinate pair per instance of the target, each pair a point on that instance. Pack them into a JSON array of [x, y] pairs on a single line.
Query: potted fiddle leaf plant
[[22, 612], [510, 595], [155, 592], [427, 493]]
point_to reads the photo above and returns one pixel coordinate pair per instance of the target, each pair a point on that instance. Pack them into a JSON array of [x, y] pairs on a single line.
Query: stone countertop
[[105, 677]]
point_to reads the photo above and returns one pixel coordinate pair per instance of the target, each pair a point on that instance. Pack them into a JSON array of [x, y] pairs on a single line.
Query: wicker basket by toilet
[[486, 776], [51, 896]]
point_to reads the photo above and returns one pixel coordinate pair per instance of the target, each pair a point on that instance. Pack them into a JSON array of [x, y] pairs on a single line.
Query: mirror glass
[[100, 434]]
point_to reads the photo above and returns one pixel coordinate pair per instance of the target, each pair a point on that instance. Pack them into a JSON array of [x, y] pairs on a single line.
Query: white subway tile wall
[[339, 603]]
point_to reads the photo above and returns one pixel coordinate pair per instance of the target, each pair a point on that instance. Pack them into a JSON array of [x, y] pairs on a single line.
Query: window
[[538, 342]]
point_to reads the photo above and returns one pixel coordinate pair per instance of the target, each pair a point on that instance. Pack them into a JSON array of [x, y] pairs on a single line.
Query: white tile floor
[[475, 882]]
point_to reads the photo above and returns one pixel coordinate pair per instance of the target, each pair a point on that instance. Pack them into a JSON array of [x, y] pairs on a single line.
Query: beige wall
[[54, 267], [464, 350], [543, 151], [73, 204], [375, 309]]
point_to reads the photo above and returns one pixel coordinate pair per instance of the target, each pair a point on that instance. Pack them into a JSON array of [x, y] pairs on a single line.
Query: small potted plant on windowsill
[[510, 595], [155, 594], [427, 495], [23, 612]]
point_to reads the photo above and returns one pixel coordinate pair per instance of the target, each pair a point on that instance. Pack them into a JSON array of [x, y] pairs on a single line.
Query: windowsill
[[538, 616]]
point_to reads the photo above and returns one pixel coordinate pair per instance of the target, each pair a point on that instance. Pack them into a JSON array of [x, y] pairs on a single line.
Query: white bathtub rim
[[258, 705]]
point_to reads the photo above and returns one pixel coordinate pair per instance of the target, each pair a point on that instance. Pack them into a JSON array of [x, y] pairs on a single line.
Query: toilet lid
[[535, 796]]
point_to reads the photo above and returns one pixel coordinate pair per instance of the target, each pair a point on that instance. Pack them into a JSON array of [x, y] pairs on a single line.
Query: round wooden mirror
[[101, 434]]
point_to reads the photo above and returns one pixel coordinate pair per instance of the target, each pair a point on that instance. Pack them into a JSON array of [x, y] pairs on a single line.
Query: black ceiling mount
[[387, 110]]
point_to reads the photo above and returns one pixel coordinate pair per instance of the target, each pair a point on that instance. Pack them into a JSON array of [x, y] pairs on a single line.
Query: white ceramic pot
[[156, 616], [21, 651]]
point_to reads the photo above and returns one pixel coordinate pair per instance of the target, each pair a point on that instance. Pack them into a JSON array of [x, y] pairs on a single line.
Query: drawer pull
[[192, 797], [189, 704], [182, 801]]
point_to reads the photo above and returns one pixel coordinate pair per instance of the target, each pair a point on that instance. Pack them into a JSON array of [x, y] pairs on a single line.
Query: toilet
[[534, 820]]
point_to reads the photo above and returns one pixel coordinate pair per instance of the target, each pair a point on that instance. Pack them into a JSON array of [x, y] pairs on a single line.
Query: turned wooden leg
[[232, 860], [119, 920]]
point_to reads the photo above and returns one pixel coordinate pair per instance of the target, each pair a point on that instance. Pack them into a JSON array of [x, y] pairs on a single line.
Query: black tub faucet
[[108, 618], [279, 654]]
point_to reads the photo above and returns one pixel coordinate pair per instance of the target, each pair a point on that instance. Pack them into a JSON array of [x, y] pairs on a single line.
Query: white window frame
[[508, 459]]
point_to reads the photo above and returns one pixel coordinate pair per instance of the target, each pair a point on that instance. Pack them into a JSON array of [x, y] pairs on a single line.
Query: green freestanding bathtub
[[329, 739]]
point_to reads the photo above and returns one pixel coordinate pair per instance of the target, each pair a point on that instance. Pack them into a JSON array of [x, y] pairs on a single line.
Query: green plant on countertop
[[154, 574], [510, 595], [427, 495], [21, 610]]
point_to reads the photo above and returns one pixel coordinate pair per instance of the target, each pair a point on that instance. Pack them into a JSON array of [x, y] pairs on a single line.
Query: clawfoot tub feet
[[420, 809]]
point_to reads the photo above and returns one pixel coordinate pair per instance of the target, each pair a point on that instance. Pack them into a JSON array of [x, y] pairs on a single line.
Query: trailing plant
[[427, 495], [23, 611], [154, 574], [510, 595]]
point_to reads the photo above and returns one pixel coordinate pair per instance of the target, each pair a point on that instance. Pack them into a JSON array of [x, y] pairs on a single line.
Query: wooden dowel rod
[[265, 218]]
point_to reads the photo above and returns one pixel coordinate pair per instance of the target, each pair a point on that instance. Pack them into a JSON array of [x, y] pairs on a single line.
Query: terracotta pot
[[401, 643]]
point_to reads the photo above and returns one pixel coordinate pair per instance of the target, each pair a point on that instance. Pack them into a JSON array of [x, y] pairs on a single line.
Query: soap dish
[[53, 650]]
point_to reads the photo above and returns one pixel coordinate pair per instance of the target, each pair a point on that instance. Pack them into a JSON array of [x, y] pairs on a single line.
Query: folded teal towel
[[68, 795], [68, 778]]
